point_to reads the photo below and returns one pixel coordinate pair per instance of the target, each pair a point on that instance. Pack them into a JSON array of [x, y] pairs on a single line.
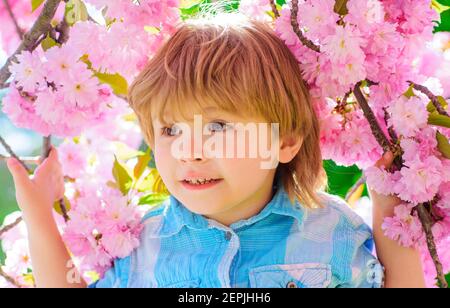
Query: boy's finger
[[386, 160], [51, 159], [20, 175], [53, 154]]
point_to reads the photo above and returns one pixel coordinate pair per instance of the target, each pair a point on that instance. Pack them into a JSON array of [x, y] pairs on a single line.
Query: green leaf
[[444, 24], [142, 163], [124, 152], [147, 183], [48, 43], [85, 59], [447, 278], [442, 101], [443, 144], [184, 4], [122, 176], [341, 179], [444, 2], [153, 199], [410, 92], [439, 120], [57, 206], [117, 82], [75, 11], [35, 4]]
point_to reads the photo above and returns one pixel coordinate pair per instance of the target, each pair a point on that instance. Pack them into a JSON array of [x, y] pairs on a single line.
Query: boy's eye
[[217, 126], [171, 131]]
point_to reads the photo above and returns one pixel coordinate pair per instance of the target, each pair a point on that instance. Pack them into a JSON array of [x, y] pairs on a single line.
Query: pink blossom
[[73, 158], [420, 180], [256, 9], [404, 227], [318, 17], [28, 72], [408, 115]]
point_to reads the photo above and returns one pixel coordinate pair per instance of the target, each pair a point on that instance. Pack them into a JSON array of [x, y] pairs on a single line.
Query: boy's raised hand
[[36, 195]]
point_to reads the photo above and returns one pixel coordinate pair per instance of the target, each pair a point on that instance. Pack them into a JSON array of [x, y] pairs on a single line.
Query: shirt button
[[291, 285], [228, 235]]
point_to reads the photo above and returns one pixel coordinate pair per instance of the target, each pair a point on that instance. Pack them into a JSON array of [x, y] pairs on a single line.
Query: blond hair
[[242, 67]]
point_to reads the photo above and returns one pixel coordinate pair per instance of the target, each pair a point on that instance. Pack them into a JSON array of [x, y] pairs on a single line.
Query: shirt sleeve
[[367, 271], [115, 277]]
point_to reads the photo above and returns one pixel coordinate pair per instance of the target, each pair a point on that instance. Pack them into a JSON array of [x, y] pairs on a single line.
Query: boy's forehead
[[208, 112]]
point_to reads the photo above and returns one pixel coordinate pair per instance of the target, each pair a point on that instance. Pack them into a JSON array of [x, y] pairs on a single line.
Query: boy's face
[[236, 156]]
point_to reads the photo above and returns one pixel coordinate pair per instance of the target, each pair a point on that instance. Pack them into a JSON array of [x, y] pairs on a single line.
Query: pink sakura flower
[[61, 62], [73, 158], [344, 45], [408, 115], [28, 72], [365, 14], [80, 89], [404, 227], [420, 180], [283, 27], [256, 9], [318, 17], [380, 180]]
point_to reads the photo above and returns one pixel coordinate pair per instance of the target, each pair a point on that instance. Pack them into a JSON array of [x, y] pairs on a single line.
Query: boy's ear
[[289, 147]]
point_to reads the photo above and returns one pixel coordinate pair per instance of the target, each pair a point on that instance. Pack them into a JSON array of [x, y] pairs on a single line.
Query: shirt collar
[[178, 216]]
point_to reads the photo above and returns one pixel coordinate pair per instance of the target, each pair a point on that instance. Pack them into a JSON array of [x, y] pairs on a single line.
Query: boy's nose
[[196, 152]]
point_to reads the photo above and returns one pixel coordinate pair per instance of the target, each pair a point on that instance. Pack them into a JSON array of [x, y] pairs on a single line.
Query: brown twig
[[427, 223], [391, 130], [295, 26], [9, 278], [7, 228], [63, 29], [370, 116], [13, 18], [40, 27], [274, 9], [46, 147], [11, 152], [431, 96]]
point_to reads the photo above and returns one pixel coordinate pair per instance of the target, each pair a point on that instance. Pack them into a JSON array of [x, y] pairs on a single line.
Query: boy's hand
[[379, 200], [37, 195]]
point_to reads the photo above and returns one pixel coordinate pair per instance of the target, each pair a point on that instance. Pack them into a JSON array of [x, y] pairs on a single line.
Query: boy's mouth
[[200, 183]]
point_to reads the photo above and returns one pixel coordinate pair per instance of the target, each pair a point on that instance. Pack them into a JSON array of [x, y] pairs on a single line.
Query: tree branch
[[295, 26], [11, 152], [9, 278], [274, 9], [13, 18], [7, 228], [431, 96], [378, 133], [427, 223], [40, 27]]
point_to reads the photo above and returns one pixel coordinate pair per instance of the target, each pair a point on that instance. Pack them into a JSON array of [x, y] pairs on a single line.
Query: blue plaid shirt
[[283, 246]]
